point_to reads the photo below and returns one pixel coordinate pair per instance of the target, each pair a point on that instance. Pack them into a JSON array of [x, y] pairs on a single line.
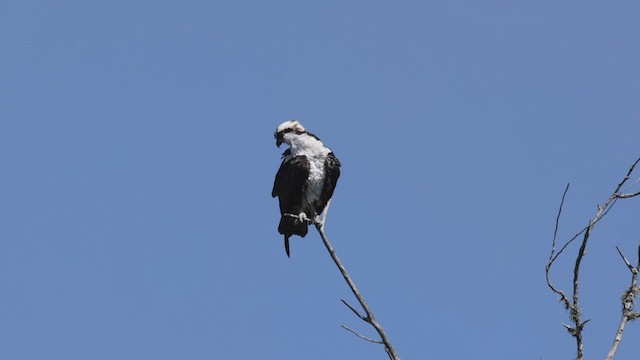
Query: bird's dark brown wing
[[331, 175], [291, 179], [290, 188]]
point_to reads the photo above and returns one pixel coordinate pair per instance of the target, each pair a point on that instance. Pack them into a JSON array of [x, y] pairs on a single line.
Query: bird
[[305, 181]]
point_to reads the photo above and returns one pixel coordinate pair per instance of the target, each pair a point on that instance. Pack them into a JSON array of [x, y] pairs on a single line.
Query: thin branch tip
[[355, 311], [362, 336], [626, 261], [369, 318], [572, 304]]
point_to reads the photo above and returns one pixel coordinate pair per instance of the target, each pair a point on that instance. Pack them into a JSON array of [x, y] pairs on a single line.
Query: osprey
[[305, 181]]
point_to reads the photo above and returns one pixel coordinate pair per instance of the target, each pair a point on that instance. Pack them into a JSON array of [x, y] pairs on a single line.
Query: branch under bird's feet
[[302, 218], [324, 214]]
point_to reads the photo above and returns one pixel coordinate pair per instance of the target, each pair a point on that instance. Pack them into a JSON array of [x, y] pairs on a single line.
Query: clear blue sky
[[137, 162]]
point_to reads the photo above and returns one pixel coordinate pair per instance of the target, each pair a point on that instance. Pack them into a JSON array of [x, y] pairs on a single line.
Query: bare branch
[[626, 196], [555, 230], [576, 315], [627, 176], [628, 299], [325, 212], [570, 329], [573, 304], [361, 336], [563, 296], [354, 310], [626, 261], [369, 318], [602, 211]]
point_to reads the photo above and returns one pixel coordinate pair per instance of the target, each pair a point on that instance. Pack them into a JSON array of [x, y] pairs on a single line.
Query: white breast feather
[[316, 152], [316, 180]]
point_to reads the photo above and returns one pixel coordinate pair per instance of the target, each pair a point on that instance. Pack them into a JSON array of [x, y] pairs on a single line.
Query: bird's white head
[[292, 127]]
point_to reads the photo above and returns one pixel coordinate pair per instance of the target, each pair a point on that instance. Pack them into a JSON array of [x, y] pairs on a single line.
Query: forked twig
[[361, 336], [354, 310], [628, 299], [626, 261], [369, 318], [553, 255], [626, 196], [573, 304]]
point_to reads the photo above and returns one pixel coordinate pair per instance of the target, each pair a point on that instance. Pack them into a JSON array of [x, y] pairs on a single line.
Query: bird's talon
[[302, 217]]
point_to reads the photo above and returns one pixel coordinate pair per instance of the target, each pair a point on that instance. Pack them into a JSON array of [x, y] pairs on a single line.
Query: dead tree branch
[[628, 299], [369, 318], [361, 336], [563, 297], [573, 304]]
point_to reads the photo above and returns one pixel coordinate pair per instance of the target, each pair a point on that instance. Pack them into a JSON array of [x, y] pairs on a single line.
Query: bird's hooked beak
[[278, 142], [279, 138]]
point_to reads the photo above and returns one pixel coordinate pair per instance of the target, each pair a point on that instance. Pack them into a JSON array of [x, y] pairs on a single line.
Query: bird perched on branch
[[305, 181]]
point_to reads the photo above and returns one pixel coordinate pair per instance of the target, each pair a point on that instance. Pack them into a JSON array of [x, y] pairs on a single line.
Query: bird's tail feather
[[286, 245], [290, 225]]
